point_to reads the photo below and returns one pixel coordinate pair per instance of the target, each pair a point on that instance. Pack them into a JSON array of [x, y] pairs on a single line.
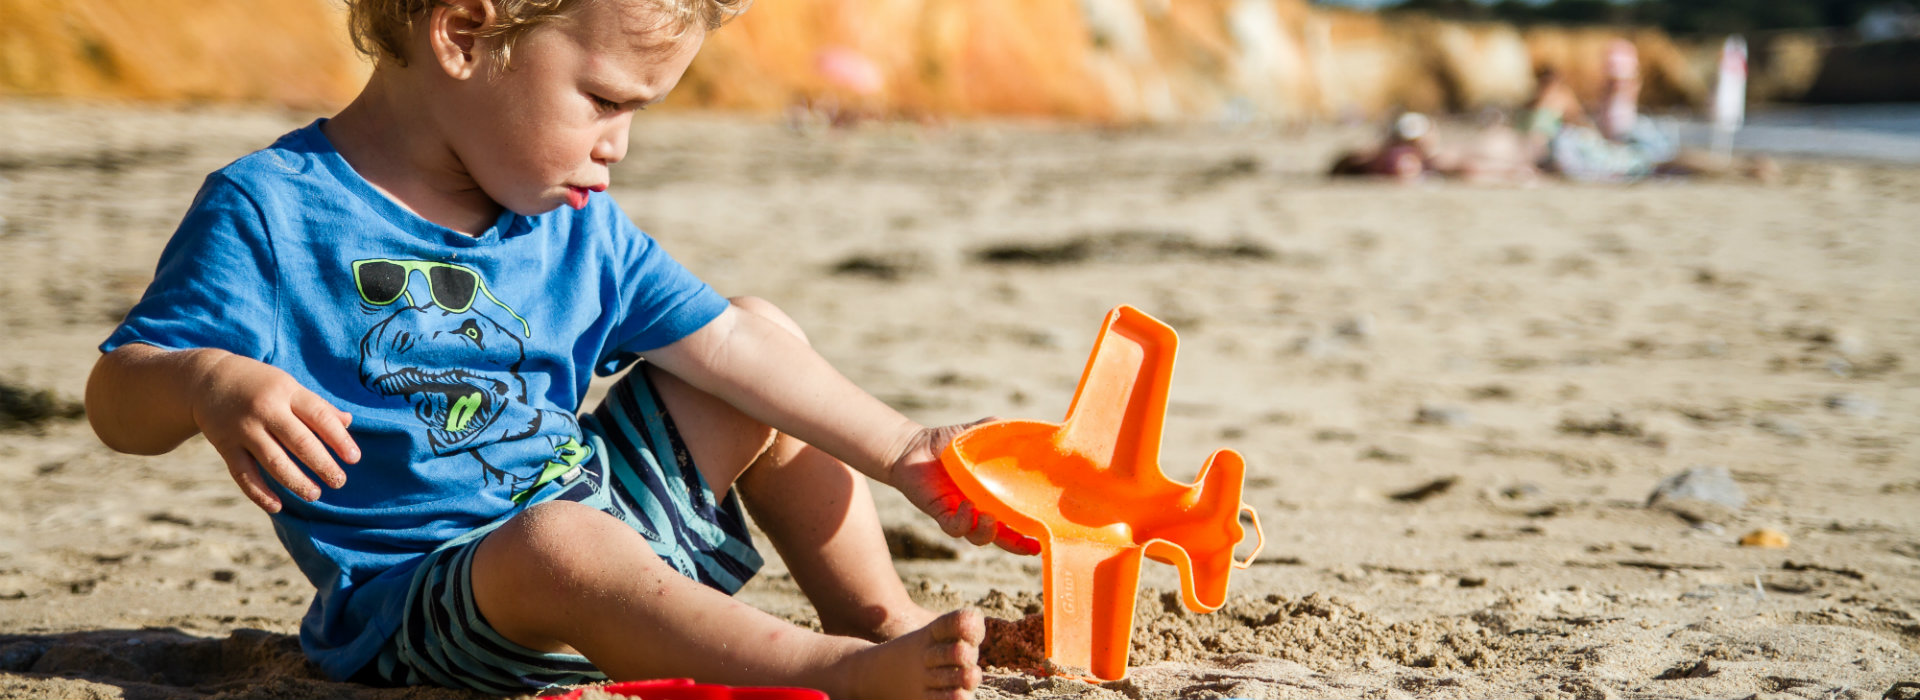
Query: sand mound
[[1320, 632]]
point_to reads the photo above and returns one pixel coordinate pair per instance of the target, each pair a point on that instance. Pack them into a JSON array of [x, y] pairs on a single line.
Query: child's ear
[[451, 28]]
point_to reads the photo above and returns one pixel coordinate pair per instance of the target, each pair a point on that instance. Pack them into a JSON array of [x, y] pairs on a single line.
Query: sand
[[1454, 401]]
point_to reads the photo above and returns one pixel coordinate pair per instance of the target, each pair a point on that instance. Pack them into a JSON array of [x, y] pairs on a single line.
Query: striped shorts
[[640, 473]]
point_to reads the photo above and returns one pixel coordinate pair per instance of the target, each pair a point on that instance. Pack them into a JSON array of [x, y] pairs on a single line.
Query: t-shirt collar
[[505, 226]]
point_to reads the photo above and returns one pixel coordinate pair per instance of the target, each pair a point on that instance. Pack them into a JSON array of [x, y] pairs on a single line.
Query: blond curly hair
[[380, 27]]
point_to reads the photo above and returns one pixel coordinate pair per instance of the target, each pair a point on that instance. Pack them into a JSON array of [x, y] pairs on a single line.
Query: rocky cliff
[[293, 52], [1099, 60]]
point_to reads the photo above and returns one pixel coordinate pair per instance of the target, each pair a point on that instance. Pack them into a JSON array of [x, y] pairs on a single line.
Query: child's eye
[[604, 104]]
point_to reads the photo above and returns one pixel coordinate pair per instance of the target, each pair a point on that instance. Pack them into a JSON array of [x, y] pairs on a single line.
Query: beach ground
[[1454, 401]]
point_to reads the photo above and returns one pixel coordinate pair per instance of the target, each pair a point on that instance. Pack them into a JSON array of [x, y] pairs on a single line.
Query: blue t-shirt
[[463, 360]]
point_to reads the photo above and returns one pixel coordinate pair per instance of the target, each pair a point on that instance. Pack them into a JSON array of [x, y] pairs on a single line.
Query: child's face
[[544, 132]]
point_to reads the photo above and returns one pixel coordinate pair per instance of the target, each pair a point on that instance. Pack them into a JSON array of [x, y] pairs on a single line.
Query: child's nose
[[612, 145]]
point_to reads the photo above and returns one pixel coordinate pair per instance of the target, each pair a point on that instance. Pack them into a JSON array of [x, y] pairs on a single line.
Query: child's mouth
[[577, 196]]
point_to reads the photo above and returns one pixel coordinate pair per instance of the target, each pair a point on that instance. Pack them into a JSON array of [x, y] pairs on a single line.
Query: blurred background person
[[1406, 152]]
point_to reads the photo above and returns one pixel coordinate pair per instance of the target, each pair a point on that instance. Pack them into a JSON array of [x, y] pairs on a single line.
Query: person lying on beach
[[1491, 154], [421, 288], [1563, 140], [1405, 153], [1552, 107], [1619, 146]]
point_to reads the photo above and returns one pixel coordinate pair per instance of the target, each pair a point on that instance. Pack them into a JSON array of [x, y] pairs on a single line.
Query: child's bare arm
[[145, 400], [774, 376]]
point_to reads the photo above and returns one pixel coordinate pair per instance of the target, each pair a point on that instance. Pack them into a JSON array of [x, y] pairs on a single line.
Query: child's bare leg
[[820, 517], [564, 576], [816, 510]]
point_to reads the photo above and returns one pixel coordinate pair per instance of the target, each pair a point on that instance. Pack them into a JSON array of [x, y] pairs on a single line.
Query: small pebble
[[1853, 405], [1448, 416], [1765, 537], [1521, 490], [1849, 342], [1334, 435], [1358, 327], [1712, 484]]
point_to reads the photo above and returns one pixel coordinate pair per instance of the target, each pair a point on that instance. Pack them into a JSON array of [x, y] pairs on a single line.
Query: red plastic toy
[[686, 689]]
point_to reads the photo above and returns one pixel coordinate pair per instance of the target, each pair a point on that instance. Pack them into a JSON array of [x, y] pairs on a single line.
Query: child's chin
[[536, 207]]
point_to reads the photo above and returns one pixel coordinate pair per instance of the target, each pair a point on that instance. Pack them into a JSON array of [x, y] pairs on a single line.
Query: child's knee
[[555, 546], [723, 441], [552, 563], [765, 309]]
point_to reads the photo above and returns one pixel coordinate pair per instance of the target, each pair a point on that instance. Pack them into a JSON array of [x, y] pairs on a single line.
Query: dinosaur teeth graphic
[[453, 403], [462, 411], [411, 380]]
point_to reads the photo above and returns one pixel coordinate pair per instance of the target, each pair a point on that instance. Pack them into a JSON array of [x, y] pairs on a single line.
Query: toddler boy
[[421, 287]]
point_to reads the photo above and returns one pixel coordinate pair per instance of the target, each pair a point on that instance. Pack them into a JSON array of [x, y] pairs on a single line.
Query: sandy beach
[[1454, 401]]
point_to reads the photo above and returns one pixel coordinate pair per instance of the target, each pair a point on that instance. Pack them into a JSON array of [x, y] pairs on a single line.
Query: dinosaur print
[[459, 369]]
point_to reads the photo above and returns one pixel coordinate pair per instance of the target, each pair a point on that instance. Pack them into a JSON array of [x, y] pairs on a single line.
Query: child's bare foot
[[940, 660], [902, 622], [879, 623]]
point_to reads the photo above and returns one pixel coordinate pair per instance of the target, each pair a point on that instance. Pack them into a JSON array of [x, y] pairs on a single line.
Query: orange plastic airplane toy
[[1091, 490]]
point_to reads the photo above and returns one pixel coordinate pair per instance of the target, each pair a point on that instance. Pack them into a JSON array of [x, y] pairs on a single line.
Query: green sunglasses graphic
[[453, 287]]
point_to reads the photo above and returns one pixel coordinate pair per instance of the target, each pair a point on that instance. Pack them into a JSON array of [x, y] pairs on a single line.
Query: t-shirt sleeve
[[215, 285], [660, 300]]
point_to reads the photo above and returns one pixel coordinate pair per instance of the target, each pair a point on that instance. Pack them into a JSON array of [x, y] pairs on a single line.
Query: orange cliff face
[[290, 52], [1111, 60], [1106, 61], [948, 57]]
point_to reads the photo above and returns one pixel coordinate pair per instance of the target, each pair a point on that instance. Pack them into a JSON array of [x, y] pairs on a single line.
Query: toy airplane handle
[[1260, 538]]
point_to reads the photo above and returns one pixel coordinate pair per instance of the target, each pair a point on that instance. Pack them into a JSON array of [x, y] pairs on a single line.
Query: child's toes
[[954, 677], [964, 625], [952, 654]]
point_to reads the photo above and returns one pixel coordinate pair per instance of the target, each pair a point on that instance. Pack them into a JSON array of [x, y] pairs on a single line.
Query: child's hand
[[918, 474], [254, 414]]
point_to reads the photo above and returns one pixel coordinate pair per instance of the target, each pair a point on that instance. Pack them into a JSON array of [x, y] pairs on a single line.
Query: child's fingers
[[265, 446], [294, 436], [985, 526], [246, 474], [955, 516], [331, 425], [1013, 541]]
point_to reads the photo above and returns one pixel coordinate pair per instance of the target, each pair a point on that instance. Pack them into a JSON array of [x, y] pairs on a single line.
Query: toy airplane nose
[[1091, 490]]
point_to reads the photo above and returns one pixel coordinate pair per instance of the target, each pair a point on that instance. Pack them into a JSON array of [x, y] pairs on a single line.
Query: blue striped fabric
[[639, 472]]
